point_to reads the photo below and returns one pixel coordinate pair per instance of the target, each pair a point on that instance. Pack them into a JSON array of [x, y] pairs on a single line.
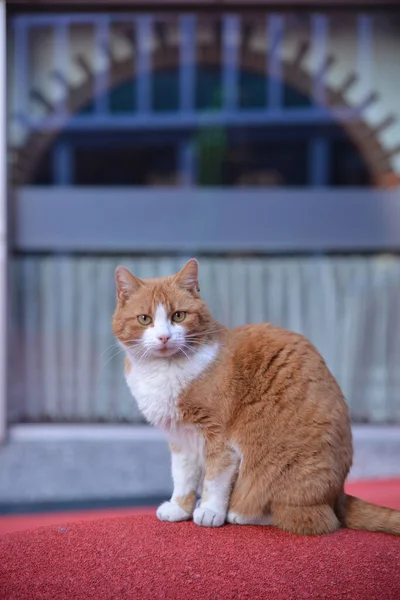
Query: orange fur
[[268, 399], [174, 448], [187, 502], [128, 366]]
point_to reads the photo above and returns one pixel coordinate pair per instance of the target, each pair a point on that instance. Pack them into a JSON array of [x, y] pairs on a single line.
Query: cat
[[257, 424]]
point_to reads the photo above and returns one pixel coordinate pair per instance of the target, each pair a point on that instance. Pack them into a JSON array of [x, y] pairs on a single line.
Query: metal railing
[[143, 38]]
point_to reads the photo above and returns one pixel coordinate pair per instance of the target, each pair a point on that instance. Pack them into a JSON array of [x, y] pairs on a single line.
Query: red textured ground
[[141, 558], [137, 557], [385, 492]]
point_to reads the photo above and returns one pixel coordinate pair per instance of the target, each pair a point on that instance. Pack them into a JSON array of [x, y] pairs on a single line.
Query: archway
[[364, 137]]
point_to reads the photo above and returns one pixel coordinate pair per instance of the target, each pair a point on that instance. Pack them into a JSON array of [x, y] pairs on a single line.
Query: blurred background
[[263, 140]]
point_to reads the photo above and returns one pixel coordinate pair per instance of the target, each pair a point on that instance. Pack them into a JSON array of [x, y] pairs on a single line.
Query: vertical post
[[231, 32], [187, 63], [20, 67], [187, 164], [144, 37], [60, 63], [3, 224], [365, 53], [63, 167], [102, 61], [319, 162], [319, 41], [274, 65]]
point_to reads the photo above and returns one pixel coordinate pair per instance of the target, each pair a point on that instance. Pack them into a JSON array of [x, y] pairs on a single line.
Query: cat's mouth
[[166, 351]]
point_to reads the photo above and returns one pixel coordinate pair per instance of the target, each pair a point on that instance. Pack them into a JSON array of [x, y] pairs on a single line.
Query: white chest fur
[[156, 384]]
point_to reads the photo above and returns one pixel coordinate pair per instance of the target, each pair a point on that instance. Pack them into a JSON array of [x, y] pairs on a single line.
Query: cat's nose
[[164, 338]]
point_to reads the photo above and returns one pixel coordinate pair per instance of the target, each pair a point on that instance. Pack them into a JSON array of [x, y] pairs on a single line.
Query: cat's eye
[[178, 316], [144, 319]]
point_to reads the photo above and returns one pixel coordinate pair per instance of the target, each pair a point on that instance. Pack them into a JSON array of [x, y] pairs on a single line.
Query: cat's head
[[161, 317]]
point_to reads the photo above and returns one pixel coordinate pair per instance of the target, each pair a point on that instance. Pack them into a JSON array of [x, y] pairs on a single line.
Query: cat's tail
[[358, 514]]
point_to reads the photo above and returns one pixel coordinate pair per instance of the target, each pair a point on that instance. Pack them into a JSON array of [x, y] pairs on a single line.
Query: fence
[[64, 365]]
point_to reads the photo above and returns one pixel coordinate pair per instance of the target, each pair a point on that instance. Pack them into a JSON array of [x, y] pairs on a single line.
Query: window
[[124, 165], [204, 80]]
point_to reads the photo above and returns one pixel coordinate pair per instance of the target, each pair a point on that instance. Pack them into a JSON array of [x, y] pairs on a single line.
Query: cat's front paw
[[208, 517], [169, 511]]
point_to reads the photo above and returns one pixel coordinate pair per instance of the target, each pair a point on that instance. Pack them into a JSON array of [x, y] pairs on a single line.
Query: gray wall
[[206, 220], [66, 367]]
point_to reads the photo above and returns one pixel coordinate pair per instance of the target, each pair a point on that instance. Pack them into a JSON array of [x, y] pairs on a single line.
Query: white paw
[[236, 519], [168, 511], [208, 517]]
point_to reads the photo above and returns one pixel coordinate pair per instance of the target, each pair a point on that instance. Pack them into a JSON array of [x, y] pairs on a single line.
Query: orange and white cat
[[256, 421]]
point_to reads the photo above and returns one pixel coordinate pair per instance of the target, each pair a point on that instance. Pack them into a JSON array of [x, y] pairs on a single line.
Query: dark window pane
[[125, 166], [225, 159], [211, 151], [348, 166], [123, 98], [267, 164], [87, 109], [166, 90], [292, 98], [208, 88], [252, 90], [43, 172]]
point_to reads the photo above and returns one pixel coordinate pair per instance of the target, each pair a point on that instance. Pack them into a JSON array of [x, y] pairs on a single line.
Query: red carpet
[[13, 523], [385, 492], [136, 557], [140, 558]]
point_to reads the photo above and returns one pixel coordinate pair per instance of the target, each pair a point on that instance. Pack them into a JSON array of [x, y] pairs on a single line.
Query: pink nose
[[164, 338]]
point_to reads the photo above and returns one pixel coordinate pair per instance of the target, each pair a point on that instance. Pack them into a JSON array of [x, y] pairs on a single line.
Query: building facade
[[265, 141]]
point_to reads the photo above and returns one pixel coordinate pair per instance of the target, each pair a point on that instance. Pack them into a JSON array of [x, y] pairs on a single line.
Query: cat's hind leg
[[235, 518], [305, 520], [247, 505]]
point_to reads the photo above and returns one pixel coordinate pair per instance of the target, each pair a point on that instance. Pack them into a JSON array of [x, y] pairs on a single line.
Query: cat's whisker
[[205, 337], [135, 345], [118, 351], [196, 343], [112, 357], [185, 354], [113, 345], [204, 332], [145, 353], [192, 351], [139, 352], [206, 351], [135, 342]]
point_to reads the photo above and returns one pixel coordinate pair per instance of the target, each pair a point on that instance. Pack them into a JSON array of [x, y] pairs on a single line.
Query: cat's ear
[[188, 277], [127, 284]]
